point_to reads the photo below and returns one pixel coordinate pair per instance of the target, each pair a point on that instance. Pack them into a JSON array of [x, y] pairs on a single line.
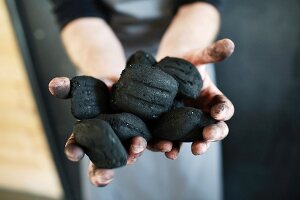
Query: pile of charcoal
[[146, 101]]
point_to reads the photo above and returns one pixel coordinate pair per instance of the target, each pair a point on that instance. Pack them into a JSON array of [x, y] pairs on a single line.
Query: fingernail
[[173, 156], [60, 87], [137, 148], [106, 182], [229, 45], [203, 148], [104, 175], [99, 182], [166, 147], [74, 153]]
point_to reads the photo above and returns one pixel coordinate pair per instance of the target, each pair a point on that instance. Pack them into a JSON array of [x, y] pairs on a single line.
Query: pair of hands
[[210, 99]]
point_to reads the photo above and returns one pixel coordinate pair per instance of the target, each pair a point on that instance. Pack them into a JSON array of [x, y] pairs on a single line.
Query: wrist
[[93, 48], [199, 7], [194, 26]]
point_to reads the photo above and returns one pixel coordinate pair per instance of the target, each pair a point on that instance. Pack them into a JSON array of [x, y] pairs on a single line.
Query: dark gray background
[[262, 152]]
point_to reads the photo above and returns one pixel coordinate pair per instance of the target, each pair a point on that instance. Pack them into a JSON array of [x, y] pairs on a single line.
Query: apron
[[153, 176]]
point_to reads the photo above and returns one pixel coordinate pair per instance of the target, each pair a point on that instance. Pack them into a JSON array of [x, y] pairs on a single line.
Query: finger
[[100, 177], [173, 154], [216, 52], [109, 81], [160, 145], [222, 108], [137, 147], [215, 132], [200, 147], [212, 100], [72, 150], [133, 158], [60, 87]]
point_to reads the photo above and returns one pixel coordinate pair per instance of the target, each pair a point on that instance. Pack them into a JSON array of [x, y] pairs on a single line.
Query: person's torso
[[139, 23]]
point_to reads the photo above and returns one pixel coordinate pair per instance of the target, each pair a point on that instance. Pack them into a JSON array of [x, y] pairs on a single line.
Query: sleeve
[[216, 3], [67, 10]]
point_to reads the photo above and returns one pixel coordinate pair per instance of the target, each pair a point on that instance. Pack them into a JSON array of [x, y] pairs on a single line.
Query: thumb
[[216, 52], [60, 87]]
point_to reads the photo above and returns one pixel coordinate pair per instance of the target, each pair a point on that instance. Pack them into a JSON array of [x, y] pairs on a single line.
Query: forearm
[[194, 26], [93, 48]]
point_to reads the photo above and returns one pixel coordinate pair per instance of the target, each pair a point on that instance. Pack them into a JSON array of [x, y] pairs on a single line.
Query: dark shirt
[[68, 10]]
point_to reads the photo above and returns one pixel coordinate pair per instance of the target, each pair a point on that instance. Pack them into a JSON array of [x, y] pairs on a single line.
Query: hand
[[210, 99], [60, 88]]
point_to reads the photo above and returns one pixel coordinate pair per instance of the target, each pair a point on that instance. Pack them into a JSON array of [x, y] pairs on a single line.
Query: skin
[[200, 21]]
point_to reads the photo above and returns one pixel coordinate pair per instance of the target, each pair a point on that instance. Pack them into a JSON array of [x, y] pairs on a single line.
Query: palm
[[210, 99], [210, 95]]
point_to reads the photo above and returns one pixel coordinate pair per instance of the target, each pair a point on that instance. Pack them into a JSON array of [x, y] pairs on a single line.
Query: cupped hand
[[60, 88], [210, 100]]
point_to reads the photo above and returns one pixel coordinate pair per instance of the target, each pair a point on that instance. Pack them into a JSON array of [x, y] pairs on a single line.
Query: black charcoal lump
[[177, 103], [182, 124], [100, 143], [141, 57], [89, 97], [145, 91], [127, 126], [185, 73]]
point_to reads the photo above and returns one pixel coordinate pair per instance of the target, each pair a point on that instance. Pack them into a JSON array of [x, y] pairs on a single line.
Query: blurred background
[[261, 155]]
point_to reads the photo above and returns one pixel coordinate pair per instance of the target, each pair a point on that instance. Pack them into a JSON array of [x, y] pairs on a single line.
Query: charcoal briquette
[[145, 91], [100, 143], [177, 103], [89, 97], [182, 124], [185, 73], [127, 126], [141, 57]]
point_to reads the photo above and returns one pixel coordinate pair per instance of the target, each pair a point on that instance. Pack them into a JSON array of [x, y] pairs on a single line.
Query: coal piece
[[182, 124], [89, 97], [177, 104], [145, 91], [141, 57], [185, 73], [100, 143], [127, 126]]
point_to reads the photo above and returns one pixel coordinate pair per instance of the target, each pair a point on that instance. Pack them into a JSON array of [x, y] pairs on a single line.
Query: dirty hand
[[60, 88], [210, 100]]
